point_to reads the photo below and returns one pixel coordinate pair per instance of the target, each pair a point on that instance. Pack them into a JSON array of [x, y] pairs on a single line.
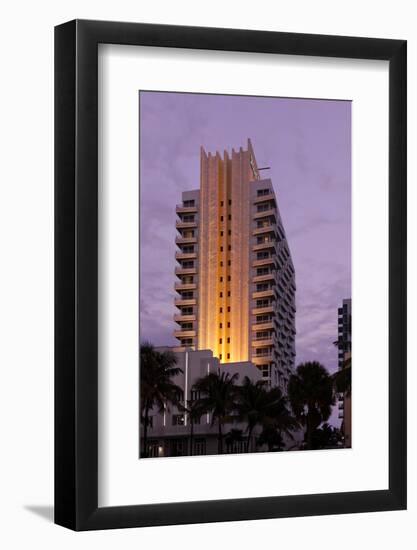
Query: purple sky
[[307, 144]]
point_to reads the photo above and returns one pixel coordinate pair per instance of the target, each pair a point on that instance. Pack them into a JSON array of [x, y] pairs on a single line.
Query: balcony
[[265, 214], [185, 333], [179, 255], [264, 198], [180, 209], [185, 286], [264, 261], [270, 228], [264, 278], [268, 245], [265, 325], [185, 240], [262, 342], [184, 302], [263, 310], [179, 224], [180, 318], [185, 271], [269, 293], [262, 359]]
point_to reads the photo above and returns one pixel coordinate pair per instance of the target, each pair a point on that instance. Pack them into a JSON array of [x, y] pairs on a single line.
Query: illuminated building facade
[[235, 277]]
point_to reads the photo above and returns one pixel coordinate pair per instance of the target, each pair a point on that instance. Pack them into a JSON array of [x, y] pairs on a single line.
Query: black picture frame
[[76, 272]]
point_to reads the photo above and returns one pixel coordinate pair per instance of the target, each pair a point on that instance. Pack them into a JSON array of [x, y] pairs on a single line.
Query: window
[[186, 342], [189, 203], [188, 219], [230, 216], [228, 277], [230, 202], [221, 295], [229, 247], [228, 293], [221, 218], [229, 232], [178, 420], [195, 395], [228, 309], [221, 279], [264, 370], [199, 446], [221, 325], [221, 310], [188, 265], [221, 249], [228, 325], [220, 357], [262, 192], [228, 262], [220, 340], [228, 340], [228, 355], [221, 203], [221, 264]]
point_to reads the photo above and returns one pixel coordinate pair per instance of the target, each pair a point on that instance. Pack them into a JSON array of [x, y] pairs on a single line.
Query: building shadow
[[45, 512]]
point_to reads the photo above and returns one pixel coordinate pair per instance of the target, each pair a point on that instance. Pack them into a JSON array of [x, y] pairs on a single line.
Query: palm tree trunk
[[145, 433], [309, 432], [248, 440], [220, 439]]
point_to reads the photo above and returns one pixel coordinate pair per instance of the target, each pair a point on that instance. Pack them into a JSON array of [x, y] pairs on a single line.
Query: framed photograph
[[230, 239]]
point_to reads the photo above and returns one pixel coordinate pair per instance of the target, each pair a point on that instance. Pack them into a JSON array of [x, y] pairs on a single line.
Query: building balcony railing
[[264, 198], [185, 271], [179, 317], [185, 302], [263, 310], [264, 261], [270, 228], [270, 293], [179, 224], [179, 255], [265, 325], [185, 240], [262, 359], [180, 209], [184, 333], [268, 245], [262, 342], [264, 278], [185, 286], [264, 214]]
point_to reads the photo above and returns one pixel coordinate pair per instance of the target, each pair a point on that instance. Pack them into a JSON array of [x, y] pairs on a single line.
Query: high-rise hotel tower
[[235, 277]]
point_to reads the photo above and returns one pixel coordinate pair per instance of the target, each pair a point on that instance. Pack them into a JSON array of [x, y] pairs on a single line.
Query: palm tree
[[193, 410], [277, 422], [156, 387], [234, 436], [218, 394], [258, 406], [311, 396]]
